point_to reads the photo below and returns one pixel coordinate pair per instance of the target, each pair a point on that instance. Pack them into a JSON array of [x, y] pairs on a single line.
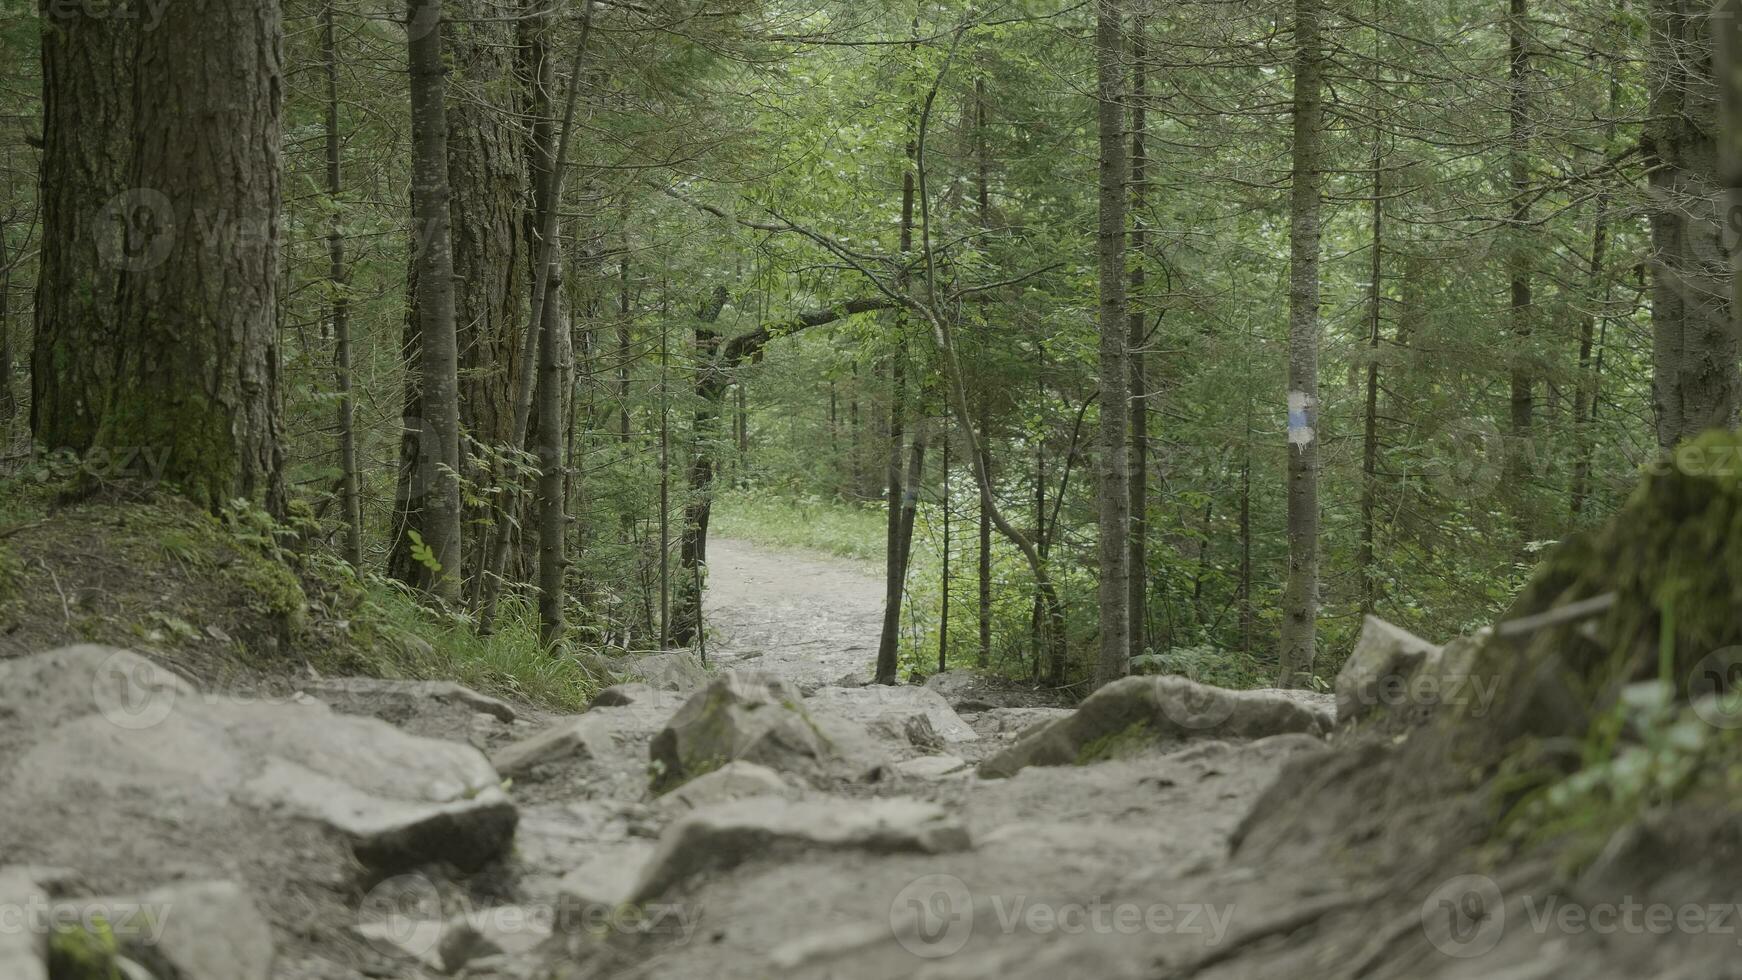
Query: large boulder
[[1137, 713], [760, 718], [1384, 660], [96, 737], [765, 828]]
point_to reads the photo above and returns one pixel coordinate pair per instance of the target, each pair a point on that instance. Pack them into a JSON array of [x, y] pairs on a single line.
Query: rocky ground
[[765, 815]]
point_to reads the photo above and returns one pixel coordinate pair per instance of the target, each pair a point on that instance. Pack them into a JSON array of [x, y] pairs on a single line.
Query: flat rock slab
[[1137, 713], [731, 834], [1008, 723], [397, 701], [732, 781], [585, 736], [135, 738], [886, 703], [932, 767], [681, 672]]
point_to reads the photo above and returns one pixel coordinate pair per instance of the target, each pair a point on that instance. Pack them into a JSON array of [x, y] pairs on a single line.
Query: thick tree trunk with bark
[[1113, 493], [433, 302], [1300, 602], [196, 369], [91, 230], [1694, 347]]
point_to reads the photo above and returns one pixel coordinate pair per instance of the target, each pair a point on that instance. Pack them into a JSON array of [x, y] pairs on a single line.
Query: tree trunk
[[944, 586], [1728, 59], [487, 169], [712, 380], [196, 355], [1519, 254], [1694, 348], [895, 559], [433, 301], [983, 213], [1300, 602], [91, 230], [337, 275], [1589, 381], [552, 485], [1114, 489], [1138, 562], [547, 173], [1366, 559]]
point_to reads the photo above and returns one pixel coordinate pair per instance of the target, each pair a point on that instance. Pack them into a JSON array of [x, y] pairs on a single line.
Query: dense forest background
[[1463, 251]]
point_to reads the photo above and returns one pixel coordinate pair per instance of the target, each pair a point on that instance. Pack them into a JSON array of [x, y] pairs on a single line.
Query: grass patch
[[419, 643], [811, 523]]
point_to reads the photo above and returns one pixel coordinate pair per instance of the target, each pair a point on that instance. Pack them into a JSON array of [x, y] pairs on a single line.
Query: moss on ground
[[227, 600]]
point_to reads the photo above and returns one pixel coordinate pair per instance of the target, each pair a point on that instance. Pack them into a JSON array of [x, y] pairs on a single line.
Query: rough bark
[[433, 301], [1113, 493], [91, 231], [552, 485], [1300, 602], [1694, 348], [196, 369]]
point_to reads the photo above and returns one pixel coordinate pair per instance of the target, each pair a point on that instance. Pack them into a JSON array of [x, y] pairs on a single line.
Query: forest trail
[[811, 618]]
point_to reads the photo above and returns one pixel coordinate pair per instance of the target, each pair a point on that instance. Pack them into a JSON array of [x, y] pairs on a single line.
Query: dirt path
[[808, 617]]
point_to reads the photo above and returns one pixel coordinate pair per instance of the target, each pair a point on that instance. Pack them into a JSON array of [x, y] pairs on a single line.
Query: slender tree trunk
[[1585, 394], [551, 491], [1300, 603], [944, 587], [1114, 486], [1694, 345], [625, 352], [983, 195], [895, 562], [1519, 253], [1727, 44], [712, 379], [434, 299], [93, 228], [1370, 423], [349, 493], [1138, 585], [197, 360]]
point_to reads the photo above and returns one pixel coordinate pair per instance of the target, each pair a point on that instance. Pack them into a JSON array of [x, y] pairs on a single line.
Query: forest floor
[[767, 815]]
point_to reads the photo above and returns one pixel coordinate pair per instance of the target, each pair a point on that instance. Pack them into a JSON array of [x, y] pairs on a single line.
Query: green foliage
[[413, 640]]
